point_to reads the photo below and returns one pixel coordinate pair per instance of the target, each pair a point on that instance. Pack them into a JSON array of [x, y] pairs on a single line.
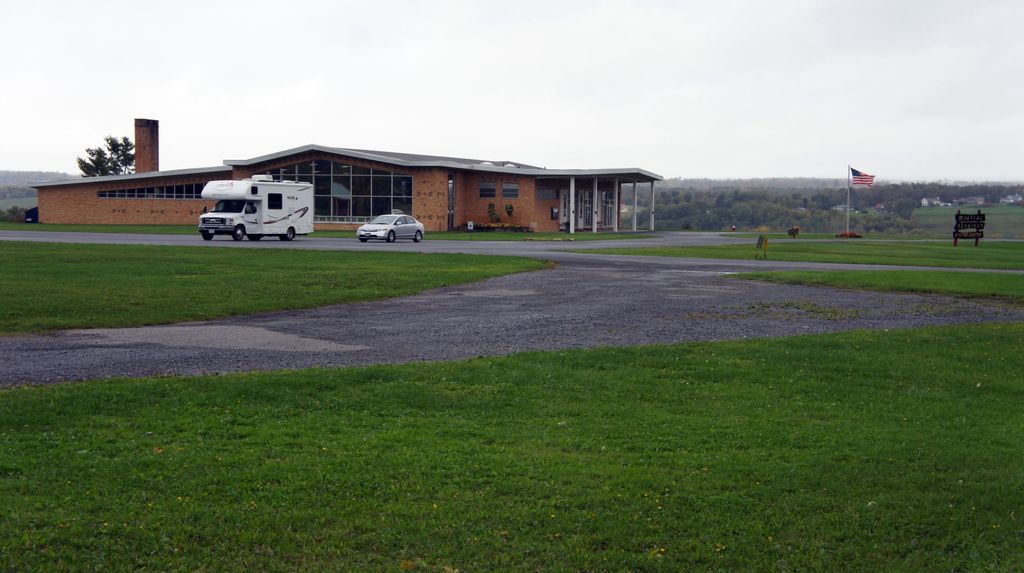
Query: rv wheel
[[391, 236], [207, 236], [289, 235], [239, 233]]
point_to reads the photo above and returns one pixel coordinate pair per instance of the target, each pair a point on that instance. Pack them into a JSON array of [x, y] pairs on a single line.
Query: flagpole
[[847, 201]]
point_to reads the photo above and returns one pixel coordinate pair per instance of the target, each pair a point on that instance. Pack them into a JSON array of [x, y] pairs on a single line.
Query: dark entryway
[[451, 202]]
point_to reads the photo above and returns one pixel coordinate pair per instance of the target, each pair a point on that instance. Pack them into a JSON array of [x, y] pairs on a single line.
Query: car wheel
[[417, 237], [288, 235], [391, 236], [239, 233], [362, 240], [255, 237], [207, 236]]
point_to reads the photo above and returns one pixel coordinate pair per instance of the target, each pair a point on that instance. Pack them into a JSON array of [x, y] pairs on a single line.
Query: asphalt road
[[587, 300], [548, 250]]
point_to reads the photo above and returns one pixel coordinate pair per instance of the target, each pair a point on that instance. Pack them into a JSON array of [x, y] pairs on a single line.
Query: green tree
[[118, 158]]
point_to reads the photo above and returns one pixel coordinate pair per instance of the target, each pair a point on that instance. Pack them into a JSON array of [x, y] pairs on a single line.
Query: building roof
[[388, 157], [417, 160]]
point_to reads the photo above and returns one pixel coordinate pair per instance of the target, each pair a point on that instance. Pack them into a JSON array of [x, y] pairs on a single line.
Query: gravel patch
[[577, 305]]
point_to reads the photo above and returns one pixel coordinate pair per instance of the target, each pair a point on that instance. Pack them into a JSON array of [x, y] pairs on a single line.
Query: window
[[342, 207], [381, 185], [322, 184], [510, 190], [547, 194], [341, 186], [402, 186], [487, 189], [349, 193], [361, 186], [250, 208], [360, 206], [403, 203], [186, 191], [274, 201], [322, 206], [381, 206]]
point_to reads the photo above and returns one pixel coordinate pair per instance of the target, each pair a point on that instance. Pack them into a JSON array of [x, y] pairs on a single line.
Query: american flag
[[861, 178]]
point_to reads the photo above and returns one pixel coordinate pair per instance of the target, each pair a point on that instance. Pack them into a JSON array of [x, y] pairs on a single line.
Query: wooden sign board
[[965, 221]]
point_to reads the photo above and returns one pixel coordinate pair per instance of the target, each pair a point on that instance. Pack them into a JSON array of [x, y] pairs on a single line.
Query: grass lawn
[[863, 451], [1000, 285], [868, 236], [1003, 221], [990, 255], [439, 236], [150, 229], [55, 286]]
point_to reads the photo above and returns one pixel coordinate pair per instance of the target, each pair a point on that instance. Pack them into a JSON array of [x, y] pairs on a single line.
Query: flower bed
[[501, 228]]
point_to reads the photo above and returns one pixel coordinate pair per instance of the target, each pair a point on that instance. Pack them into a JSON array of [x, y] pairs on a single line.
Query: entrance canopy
[[592, 199]]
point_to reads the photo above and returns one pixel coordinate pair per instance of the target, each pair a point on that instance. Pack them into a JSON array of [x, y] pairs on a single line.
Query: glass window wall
[[350, 194], [187, 191]]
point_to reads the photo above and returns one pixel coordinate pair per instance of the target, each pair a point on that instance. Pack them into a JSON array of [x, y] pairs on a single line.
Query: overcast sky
[[908, 89]]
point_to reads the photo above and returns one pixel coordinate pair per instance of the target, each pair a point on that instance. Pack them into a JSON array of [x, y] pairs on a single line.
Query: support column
[[618, 208], [594, 207], [634, 205], [652, 205], [572, 205]]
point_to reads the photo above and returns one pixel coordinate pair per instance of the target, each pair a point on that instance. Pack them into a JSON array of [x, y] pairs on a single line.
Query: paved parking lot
[[586, 301]]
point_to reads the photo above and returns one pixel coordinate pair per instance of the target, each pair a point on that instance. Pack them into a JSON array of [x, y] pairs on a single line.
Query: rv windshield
[[229, 206]]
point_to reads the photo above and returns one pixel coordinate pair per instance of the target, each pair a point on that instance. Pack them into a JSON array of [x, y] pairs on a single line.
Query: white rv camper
[[256, 208]]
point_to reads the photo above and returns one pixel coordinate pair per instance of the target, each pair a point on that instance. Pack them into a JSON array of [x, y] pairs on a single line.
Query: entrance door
[[563, 217], [451, 202], [608, 208], [587, 206]]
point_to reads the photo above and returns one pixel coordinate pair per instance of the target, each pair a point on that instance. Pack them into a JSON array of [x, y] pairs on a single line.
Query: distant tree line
[[813, 205], [22, 178], [16, 191], [11, 214]]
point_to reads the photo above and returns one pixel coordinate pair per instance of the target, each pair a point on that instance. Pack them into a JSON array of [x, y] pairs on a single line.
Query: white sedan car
[[391, 227]]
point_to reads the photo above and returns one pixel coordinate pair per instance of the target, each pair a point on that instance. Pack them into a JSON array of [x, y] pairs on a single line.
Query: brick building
[[353, 185]]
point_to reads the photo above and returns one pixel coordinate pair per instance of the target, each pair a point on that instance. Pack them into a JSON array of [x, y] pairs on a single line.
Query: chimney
[[147, 145]]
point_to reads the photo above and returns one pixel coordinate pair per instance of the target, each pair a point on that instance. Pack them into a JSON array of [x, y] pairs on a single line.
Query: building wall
[[430, 186], [430, 198], [543, 209], [527, 210], [81, 204]]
